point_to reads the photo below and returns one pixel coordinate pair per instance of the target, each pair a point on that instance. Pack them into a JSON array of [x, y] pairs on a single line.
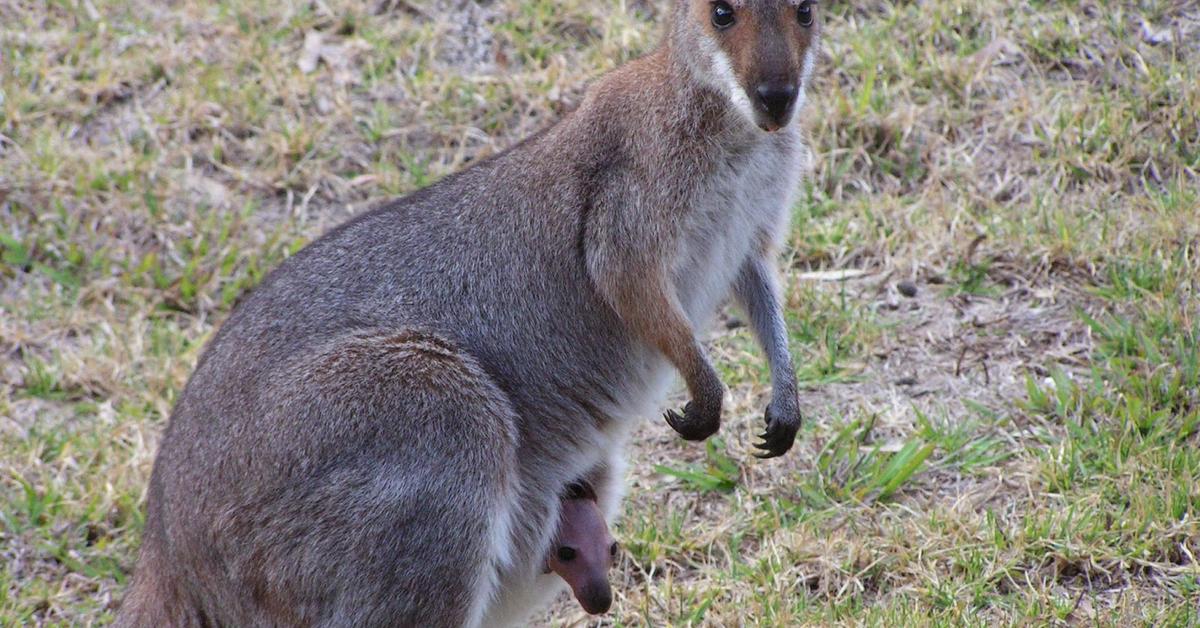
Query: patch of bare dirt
[[946, 350], [466, 43]]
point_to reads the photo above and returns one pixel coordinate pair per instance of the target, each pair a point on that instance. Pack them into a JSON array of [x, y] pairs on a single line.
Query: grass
[[1015, 443]]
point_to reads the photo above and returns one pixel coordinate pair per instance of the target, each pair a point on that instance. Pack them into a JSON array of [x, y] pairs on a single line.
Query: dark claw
[[764, 456], [673, 419], [777, 439], [689, 425]]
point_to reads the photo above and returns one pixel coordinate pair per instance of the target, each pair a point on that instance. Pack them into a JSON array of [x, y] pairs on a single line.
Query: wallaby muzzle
[[776, 100]]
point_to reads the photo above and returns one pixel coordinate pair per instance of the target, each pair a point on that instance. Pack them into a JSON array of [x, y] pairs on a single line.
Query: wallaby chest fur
[[415, 387]]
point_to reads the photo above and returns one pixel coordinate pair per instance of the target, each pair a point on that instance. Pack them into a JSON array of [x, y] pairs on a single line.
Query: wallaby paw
[[781, 431], [694, 424]]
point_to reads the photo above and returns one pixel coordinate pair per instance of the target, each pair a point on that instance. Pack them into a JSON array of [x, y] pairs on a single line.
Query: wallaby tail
[[154, 598]]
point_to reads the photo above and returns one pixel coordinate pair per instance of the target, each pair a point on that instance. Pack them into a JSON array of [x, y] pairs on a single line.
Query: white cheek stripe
[[806, 71], [723, 70], [727, 81]]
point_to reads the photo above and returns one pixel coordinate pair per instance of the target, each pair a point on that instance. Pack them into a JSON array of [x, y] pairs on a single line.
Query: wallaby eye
[[612, 549], [722, 15], [566, 554], [804, 13]]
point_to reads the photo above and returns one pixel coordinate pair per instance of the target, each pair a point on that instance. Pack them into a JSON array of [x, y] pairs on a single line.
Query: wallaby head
[[759, 53]]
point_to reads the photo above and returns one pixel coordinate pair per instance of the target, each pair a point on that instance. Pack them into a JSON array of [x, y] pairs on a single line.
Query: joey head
[[583, 550]]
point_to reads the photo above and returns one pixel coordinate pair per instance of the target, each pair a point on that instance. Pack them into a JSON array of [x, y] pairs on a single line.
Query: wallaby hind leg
[[387, 467], [383, 552], [410, 522]]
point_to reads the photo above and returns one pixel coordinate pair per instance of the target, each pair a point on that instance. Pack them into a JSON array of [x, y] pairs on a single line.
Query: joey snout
[[595, 597], [585, 571]]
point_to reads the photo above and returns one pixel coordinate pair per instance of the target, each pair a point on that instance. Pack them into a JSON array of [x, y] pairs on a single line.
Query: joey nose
[[776, 100], [596, 597]]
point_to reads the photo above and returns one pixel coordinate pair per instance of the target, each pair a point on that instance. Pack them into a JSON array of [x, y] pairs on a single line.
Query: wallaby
[[380, 432], [583, 549]]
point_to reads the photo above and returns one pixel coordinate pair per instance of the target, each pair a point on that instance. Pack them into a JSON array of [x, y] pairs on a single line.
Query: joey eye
[[612, 549], [804, 13], [722, 15], [566, 554]]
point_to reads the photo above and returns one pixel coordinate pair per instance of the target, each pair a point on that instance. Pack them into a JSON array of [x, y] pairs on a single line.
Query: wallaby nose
[[776, 100]]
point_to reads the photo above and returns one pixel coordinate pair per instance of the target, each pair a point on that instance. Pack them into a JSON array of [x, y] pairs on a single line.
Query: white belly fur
[[752, 197], [755, 198], [525, 590]]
